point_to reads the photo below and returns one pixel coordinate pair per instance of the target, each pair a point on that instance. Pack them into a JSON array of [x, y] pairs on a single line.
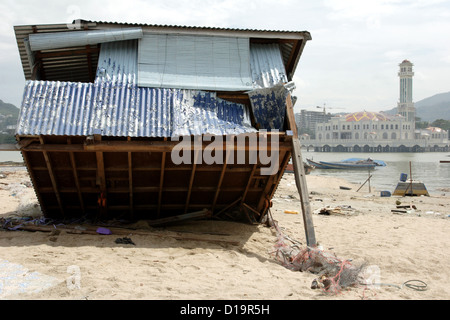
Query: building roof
[[366, 116], [123, 110], [406, 62], [79, 63]]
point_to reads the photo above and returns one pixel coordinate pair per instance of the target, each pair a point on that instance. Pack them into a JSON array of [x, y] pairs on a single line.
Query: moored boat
[[352, 163], [308, 168]]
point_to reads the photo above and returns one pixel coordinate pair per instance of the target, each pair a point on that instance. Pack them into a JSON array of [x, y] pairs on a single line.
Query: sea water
[[424, 167]]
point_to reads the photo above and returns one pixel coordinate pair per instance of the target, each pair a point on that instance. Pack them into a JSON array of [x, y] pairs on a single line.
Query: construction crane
[[324, 110]]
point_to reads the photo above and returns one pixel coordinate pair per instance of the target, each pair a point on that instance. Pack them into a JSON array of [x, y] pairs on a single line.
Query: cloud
[[351, 61]]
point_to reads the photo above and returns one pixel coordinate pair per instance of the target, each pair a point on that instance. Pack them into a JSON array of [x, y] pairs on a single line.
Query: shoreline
[[357, 226]]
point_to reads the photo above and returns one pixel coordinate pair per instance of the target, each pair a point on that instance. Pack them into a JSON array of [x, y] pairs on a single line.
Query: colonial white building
[[367, 131]]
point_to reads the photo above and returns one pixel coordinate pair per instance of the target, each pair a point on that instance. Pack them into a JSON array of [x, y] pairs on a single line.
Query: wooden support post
[[249, 182], [34, 180], [368, 179], [228, 207], [219, 184], [52, 178], [101, 180], [191, 181], [75, 177], [286, 158], [161, 181], [300, 177], [130, 182]]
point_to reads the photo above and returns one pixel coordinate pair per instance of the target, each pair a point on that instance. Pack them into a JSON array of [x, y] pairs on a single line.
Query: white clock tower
[[405, 106]]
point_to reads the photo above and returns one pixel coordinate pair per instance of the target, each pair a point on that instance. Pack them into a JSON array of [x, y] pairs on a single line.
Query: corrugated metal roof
[[194, 62], [118, 62], [266, 65], [269, 107], [124, 110], [80, 63], [81, 21]]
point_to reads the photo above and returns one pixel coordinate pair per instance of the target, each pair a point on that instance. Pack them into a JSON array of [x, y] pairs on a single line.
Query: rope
[[419, 285]]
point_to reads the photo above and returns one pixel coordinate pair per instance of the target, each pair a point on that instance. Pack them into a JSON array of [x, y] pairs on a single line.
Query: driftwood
[[125, 231]]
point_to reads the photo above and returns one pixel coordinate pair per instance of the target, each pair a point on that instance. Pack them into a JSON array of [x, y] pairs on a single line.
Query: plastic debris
[[102, 230], [334, 273]]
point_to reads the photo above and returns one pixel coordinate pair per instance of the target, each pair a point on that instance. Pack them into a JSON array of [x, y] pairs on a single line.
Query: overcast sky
[[350, 64]]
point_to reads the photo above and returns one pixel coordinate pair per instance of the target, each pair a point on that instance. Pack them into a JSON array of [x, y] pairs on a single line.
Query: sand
[[165, 263]]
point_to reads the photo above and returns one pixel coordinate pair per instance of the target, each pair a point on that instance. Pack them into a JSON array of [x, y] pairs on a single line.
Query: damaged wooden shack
[[106, 105]]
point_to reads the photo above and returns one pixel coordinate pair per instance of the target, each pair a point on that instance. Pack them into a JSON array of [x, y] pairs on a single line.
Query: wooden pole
[[300, 177], [368, 179]]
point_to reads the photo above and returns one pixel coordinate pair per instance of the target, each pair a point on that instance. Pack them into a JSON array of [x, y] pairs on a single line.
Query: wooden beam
[[300, 177], [249, 182], [141, 146], [53, 179], [187, 216], [264, 197], [286, 158], [191, 181], [89, 63], [66, 53], [101, 180], [9, 147], [161, 181], [130, 182], [219, 183], [251, 209], [228, 207], [75, 177], [33, 180]]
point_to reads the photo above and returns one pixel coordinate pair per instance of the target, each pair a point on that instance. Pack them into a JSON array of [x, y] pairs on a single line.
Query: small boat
[[352, 163], [290, 168]]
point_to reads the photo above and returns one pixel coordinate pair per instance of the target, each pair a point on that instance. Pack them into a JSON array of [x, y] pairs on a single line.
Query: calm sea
[[425, 167]]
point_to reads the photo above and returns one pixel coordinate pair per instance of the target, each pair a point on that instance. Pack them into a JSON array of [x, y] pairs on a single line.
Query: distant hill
[[431, 108], [8, 109], [9, 114], [434, 107]]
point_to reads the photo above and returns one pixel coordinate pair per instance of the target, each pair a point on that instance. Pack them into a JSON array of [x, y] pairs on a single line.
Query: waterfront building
[[307, 121], [367, 131]]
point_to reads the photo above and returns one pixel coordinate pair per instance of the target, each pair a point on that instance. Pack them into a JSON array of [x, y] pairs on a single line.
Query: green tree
[[421, 124], [441, 123]]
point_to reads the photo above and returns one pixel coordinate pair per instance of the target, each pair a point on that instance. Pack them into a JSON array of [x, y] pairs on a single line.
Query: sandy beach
[[216, 260]]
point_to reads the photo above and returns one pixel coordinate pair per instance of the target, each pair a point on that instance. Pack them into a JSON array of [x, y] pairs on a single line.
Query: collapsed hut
[[141, 121]]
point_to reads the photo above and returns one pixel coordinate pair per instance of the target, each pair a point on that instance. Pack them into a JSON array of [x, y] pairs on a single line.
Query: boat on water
[[308, 168], [351, 163]]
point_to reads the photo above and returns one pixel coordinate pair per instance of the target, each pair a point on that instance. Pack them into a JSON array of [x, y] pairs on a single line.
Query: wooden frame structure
[[137, 179]]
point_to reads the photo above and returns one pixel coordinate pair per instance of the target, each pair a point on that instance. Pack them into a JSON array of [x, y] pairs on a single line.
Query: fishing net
[[334, 274]]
